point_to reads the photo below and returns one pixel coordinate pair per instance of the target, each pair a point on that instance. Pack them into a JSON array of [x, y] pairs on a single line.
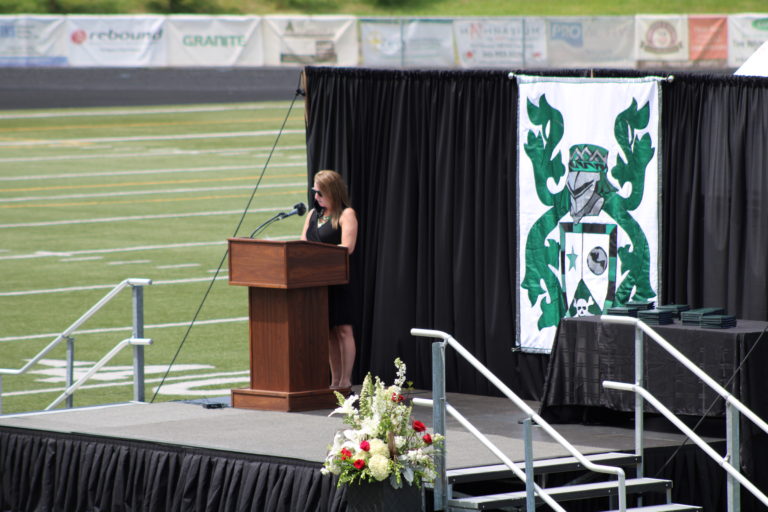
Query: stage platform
[[300, 439], [306, 435]]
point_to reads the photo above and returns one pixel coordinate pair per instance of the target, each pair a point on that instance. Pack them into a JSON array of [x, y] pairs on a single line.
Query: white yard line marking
[[133, 218], [103, 286], [179, 265], [151, 192], [49, 254], [127, 328], [173, 152], [146, 111], [245, 374], [129, 262], [47, 177], [84, 258], [186, 136]]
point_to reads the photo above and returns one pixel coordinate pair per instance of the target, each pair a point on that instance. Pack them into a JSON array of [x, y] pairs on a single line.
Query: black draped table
[[588, 351]]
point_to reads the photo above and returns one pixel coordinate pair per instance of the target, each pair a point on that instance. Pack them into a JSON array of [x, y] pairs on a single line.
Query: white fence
[[658, 41]]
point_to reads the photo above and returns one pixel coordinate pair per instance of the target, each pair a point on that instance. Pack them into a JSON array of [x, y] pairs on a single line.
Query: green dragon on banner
[[542, 253]]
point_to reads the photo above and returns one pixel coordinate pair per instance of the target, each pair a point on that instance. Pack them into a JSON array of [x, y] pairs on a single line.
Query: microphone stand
[[267, 223]]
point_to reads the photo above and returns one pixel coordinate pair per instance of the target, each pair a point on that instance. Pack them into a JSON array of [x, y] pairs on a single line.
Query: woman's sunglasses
[[315, 191]]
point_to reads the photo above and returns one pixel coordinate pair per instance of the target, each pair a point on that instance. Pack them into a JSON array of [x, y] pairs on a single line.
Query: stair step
[[565, 493], [667, 507], [540, 467]]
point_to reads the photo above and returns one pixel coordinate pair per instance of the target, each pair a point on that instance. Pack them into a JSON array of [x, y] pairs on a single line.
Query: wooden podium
[[288, 316]]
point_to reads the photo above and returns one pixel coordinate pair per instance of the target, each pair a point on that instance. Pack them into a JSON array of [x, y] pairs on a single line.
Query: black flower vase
[[382, 497]]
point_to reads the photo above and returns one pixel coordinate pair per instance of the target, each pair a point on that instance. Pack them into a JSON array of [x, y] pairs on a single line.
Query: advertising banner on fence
[[428, 43], [407, 43], [746, 33], [708, 41], [500, 42], [33, 41], [214, 41], [306, 40], [661, 40], [607, 41], [588, 200], [116, 41], [381, 43]]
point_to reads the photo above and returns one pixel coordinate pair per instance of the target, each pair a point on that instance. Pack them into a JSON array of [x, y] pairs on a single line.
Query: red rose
[[419, 426], [427, 438], [394, 397], [365, 446], [345, 454], [400, 398], [359, 463]]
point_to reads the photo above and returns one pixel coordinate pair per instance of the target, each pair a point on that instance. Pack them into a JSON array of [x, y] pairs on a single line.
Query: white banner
[[746, 33], [214, 41], [500, 42], [407, 43], [33, 41], [116, 41], [428, 43], [661, 39], [607, 41], [381, 43], [588, 199], [306, 40]]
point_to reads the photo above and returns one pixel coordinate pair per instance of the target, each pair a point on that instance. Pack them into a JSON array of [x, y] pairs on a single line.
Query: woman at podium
[[333, 221]]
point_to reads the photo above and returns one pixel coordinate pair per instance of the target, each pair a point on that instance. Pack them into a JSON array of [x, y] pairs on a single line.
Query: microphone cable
[[299, 92], [714, 402]]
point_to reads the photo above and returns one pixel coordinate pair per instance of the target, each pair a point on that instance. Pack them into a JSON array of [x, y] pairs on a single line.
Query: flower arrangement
[[383, 441]]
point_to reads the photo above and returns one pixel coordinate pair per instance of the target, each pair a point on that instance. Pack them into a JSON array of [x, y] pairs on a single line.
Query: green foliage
[[186, 6]]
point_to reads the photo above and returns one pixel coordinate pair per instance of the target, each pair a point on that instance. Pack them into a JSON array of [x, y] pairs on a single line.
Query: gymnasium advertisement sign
[[588, 197], [214, 41], [132, 41], [33, 41], [501, 42], [587, 42], [307, 40]]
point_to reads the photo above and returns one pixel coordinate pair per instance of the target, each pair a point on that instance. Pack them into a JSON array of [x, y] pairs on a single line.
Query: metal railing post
[[138, 350], [70, 377], [732, 442], [530, 499], [639, 404], [438, 422]]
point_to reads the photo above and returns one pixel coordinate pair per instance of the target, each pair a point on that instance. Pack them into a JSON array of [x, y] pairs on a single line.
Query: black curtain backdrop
[[430, 158]]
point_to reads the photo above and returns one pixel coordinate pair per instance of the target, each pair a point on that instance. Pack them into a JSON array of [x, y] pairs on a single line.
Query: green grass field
[[89, 197]]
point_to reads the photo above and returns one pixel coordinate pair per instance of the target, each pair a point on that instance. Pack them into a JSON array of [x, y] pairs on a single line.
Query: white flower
[[346, 407], [400, 441], [378, 447], [379, 467]]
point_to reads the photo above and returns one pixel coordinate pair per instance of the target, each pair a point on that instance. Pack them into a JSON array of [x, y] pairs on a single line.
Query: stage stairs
[[465, 480], [449, 493]]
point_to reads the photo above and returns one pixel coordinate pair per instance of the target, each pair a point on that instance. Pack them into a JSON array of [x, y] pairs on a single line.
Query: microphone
[[298, 209]]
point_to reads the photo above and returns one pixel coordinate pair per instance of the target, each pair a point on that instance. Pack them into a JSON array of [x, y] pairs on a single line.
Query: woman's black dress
[[340, 302]]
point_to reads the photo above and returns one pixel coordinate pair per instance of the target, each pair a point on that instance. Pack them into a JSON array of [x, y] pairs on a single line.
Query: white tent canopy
[[756, 64]]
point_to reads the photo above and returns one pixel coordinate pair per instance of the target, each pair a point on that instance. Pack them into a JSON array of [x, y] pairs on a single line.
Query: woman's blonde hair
[[333, 187]]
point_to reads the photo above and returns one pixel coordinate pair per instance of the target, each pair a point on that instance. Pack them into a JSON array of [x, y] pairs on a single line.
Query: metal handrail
[[494, 449], [709, 381], [722, 461], [137, 285], [733, 406], [598, 468], [98, 366]]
